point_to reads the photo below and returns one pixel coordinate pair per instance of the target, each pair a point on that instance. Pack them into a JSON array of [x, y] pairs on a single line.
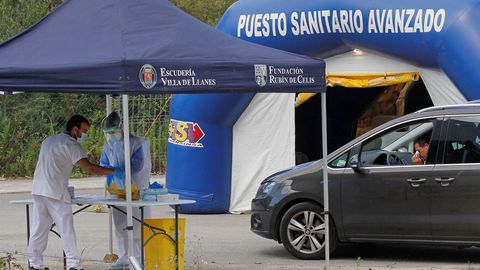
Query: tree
[[18, 15]]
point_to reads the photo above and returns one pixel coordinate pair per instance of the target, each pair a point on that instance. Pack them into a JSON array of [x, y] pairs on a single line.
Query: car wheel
[[302, 231]]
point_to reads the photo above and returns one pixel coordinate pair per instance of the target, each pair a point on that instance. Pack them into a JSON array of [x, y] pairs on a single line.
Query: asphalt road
[[224, 242]]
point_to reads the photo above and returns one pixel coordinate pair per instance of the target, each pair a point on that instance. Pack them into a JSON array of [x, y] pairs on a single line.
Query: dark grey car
[[377, 194]]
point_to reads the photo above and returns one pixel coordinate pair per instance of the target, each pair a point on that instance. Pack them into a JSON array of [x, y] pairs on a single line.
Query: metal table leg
[[141, 230], [28, 224], [28, 231], [64, 261], [110, 229]]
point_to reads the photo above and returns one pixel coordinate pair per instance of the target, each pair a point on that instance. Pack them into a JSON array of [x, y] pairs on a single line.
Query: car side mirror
[[354, 163]]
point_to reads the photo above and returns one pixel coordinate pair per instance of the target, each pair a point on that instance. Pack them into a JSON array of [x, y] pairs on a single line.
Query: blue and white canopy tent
[[145, 46]]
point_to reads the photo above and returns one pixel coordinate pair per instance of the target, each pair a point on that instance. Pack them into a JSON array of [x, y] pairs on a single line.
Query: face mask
[[82, 138], [115, 136]]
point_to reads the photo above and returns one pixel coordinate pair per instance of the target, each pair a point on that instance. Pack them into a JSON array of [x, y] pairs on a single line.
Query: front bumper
[[259, 224], [265, 208], [261, 218]]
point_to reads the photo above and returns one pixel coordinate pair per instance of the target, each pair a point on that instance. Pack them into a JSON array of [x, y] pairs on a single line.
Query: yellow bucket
[[160, 249]]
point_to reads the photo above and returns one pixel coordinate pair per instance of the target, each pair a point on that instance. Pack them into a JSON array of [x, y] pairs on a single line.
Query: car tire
[[303, 239]]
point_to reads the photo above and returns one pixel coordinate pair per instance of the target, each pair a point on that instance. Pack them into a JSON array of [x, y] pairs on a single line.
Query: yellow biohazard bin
[[160, 249]]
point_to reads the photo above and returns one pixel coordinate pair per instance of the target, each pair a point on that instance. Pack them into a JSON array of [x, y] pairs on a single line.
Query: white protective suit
[[141, 165]]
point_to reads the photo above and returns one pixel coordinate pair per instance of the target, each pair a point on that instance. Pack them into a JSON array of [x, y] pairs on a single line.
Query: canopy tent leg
[[128, 176], [325, 179], [109, 103]]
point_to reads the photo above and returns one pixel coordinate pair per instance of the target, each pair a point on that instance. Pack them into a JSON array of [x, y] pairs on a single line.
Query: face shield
[[112, 126]]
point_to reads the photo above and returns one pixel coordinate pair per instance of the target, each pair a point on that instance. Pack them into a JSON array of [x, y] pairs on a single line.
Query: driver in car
[[421, 148]]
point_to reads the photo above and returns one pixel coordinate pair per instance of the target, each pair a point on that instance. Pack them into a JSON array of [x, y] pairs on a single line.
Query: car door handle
[[416, 182], [444, 181]]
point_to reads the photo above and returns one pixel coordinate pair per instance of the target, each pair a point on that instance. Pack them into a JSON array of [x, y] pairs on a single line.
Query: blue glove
[[119, 173], [109, 179]]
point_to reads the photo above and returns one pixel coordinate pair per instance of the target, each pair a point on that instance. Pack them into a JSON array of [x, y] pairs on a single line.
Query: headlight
[[265, 188]]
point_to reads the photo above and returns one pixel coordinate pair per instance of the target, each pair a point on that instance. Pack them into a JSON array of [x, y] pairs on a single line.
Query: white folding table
[[88, 200]]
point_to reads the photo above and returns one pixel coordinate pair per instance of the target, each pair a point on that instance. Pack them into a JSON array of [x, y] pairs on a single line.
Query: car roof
[[474, 105]]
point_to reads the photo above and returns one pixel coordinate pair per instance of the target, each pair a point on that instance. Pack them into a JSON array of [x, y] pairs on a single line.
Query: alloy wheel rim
[[306, 232]]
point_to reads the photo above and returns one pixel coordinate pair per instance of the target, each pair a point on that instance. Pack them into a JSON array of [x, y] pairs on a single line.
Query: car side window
[[398, 146], [462, 141], [341, 161]]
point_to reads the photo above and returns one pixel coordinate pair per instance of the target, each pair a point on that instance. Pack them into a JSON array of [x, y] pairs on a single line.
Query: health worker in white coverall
[[51, 200], [113, 156]]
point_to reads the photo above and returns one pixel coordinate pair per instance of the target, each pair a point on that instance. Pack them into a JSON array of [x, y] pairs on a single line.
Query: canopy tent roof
[[145, 46]]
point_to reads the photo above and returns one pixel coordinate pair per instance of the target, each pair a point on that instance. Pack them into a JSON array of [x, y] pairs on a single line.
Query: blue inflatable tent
[[431, 33], [366, 40]]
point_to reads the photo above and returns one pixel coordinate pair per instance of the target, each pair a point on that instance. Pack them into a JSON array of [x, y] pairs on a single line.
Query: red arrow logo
[[197, 133]]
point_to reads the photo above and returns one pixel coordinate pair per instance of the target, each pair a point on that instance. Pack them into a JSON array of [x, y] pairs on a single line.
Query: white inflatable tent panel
[[263, 143]]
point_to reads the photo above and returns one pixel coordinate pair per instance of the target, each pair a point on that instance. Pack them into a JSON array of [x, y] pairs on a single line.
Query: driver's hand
[[416, 159]]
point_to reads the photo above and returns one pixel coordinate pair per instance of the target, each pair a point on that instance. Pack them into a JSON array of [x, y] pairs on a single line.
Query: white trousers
[[120, 223], [45, 212]]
